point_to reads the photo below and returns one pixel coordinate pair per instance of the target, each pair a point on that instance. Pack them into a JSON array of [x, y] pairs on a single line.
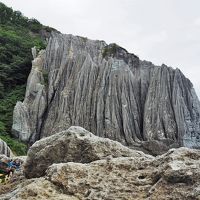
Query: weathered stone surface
[[180, 175], [175, 175], [171, 176], [108, 91], [37, 189], [21, 127], [74, 145], [4, 149], [27, 116]]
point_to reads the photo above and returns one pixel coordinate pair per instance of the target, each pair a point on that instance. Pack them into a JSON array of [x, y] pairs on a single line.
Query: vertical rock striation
[[4, 149], [108, 91], [28, 116]]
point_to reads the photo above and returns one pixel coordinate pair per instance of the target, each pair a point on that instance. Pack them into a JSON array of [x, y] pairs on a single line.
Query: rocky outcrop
[[37, 189], [74, 145], [75, 164], [4, 149], [27, 116], [174, 175], [108, 91]]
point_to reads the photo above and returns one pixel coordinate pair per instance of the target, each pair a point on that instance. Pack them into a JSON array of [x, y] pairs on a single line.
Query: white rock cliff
[[108, 91]]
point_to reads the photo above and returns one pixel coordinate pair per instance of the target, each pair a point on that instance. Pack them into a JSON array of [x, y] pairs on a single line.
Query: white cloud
[[197, 22], [162, 31]]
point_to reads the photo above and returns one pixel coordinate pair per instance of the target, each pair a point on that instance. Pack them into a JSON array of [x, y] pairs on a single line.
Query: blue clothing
[[13, 164]]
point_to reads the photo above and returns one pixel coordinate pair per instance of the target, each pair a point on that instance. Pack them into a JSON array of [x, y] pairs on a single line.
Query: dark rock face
[[109, 92], [155, 147]]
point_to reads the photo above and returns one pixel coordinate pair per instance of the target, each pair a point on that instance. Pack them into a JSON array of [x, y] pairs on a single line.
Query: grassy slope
[[17, 35]]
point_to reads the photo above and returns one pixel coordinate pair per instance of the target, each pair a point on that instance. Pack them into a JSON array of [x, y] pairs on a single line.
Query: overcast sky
[[161, 31]]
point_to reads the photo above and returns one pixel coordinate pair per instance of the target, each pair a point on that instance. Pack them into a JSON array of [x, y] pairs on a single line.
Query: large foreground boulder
[[172, 176], [175, 175], [73, 145]]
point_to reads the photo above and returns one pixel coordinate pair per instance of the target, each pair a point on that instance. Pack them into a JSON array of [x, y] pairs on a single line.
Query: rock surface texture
[[4, 149], [171, 176], [38, 189], [175, 175], [108, 91], [74, 145]]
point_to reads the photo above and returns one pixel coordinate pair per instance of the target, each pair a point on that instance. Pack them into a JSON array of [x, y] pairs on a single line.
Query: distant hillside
[[17, 35]]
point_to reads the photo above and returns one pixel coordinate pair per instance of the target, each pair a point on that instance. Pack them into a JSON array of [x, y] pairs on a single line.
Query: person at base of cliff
[[5, 165], [15, 164], [7, 168]]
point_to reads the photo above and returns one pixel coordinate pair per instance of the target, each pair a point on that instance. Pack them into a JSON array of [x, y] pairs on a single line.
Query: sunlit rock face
[[108, 91]]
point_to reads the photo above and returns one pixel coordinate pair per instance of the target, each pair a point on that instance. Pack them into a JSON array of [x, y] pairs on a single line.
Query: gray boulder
[[155, 147], [74, 145], [175, 175], [35, 189]]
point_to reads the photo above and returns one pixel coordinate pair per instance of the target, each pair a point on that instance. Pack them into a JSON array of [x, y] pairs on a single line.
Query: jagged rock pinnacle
[[108, 91]]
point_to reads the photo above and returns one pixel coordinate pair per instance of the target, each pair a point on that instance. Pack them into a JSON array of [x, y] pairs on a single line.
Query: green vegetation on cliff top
[[18, 35]]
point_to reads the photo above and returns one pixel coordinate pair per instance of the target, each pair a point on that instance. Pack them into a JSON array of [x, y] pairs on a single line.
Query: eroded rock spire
[[108, 91]]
